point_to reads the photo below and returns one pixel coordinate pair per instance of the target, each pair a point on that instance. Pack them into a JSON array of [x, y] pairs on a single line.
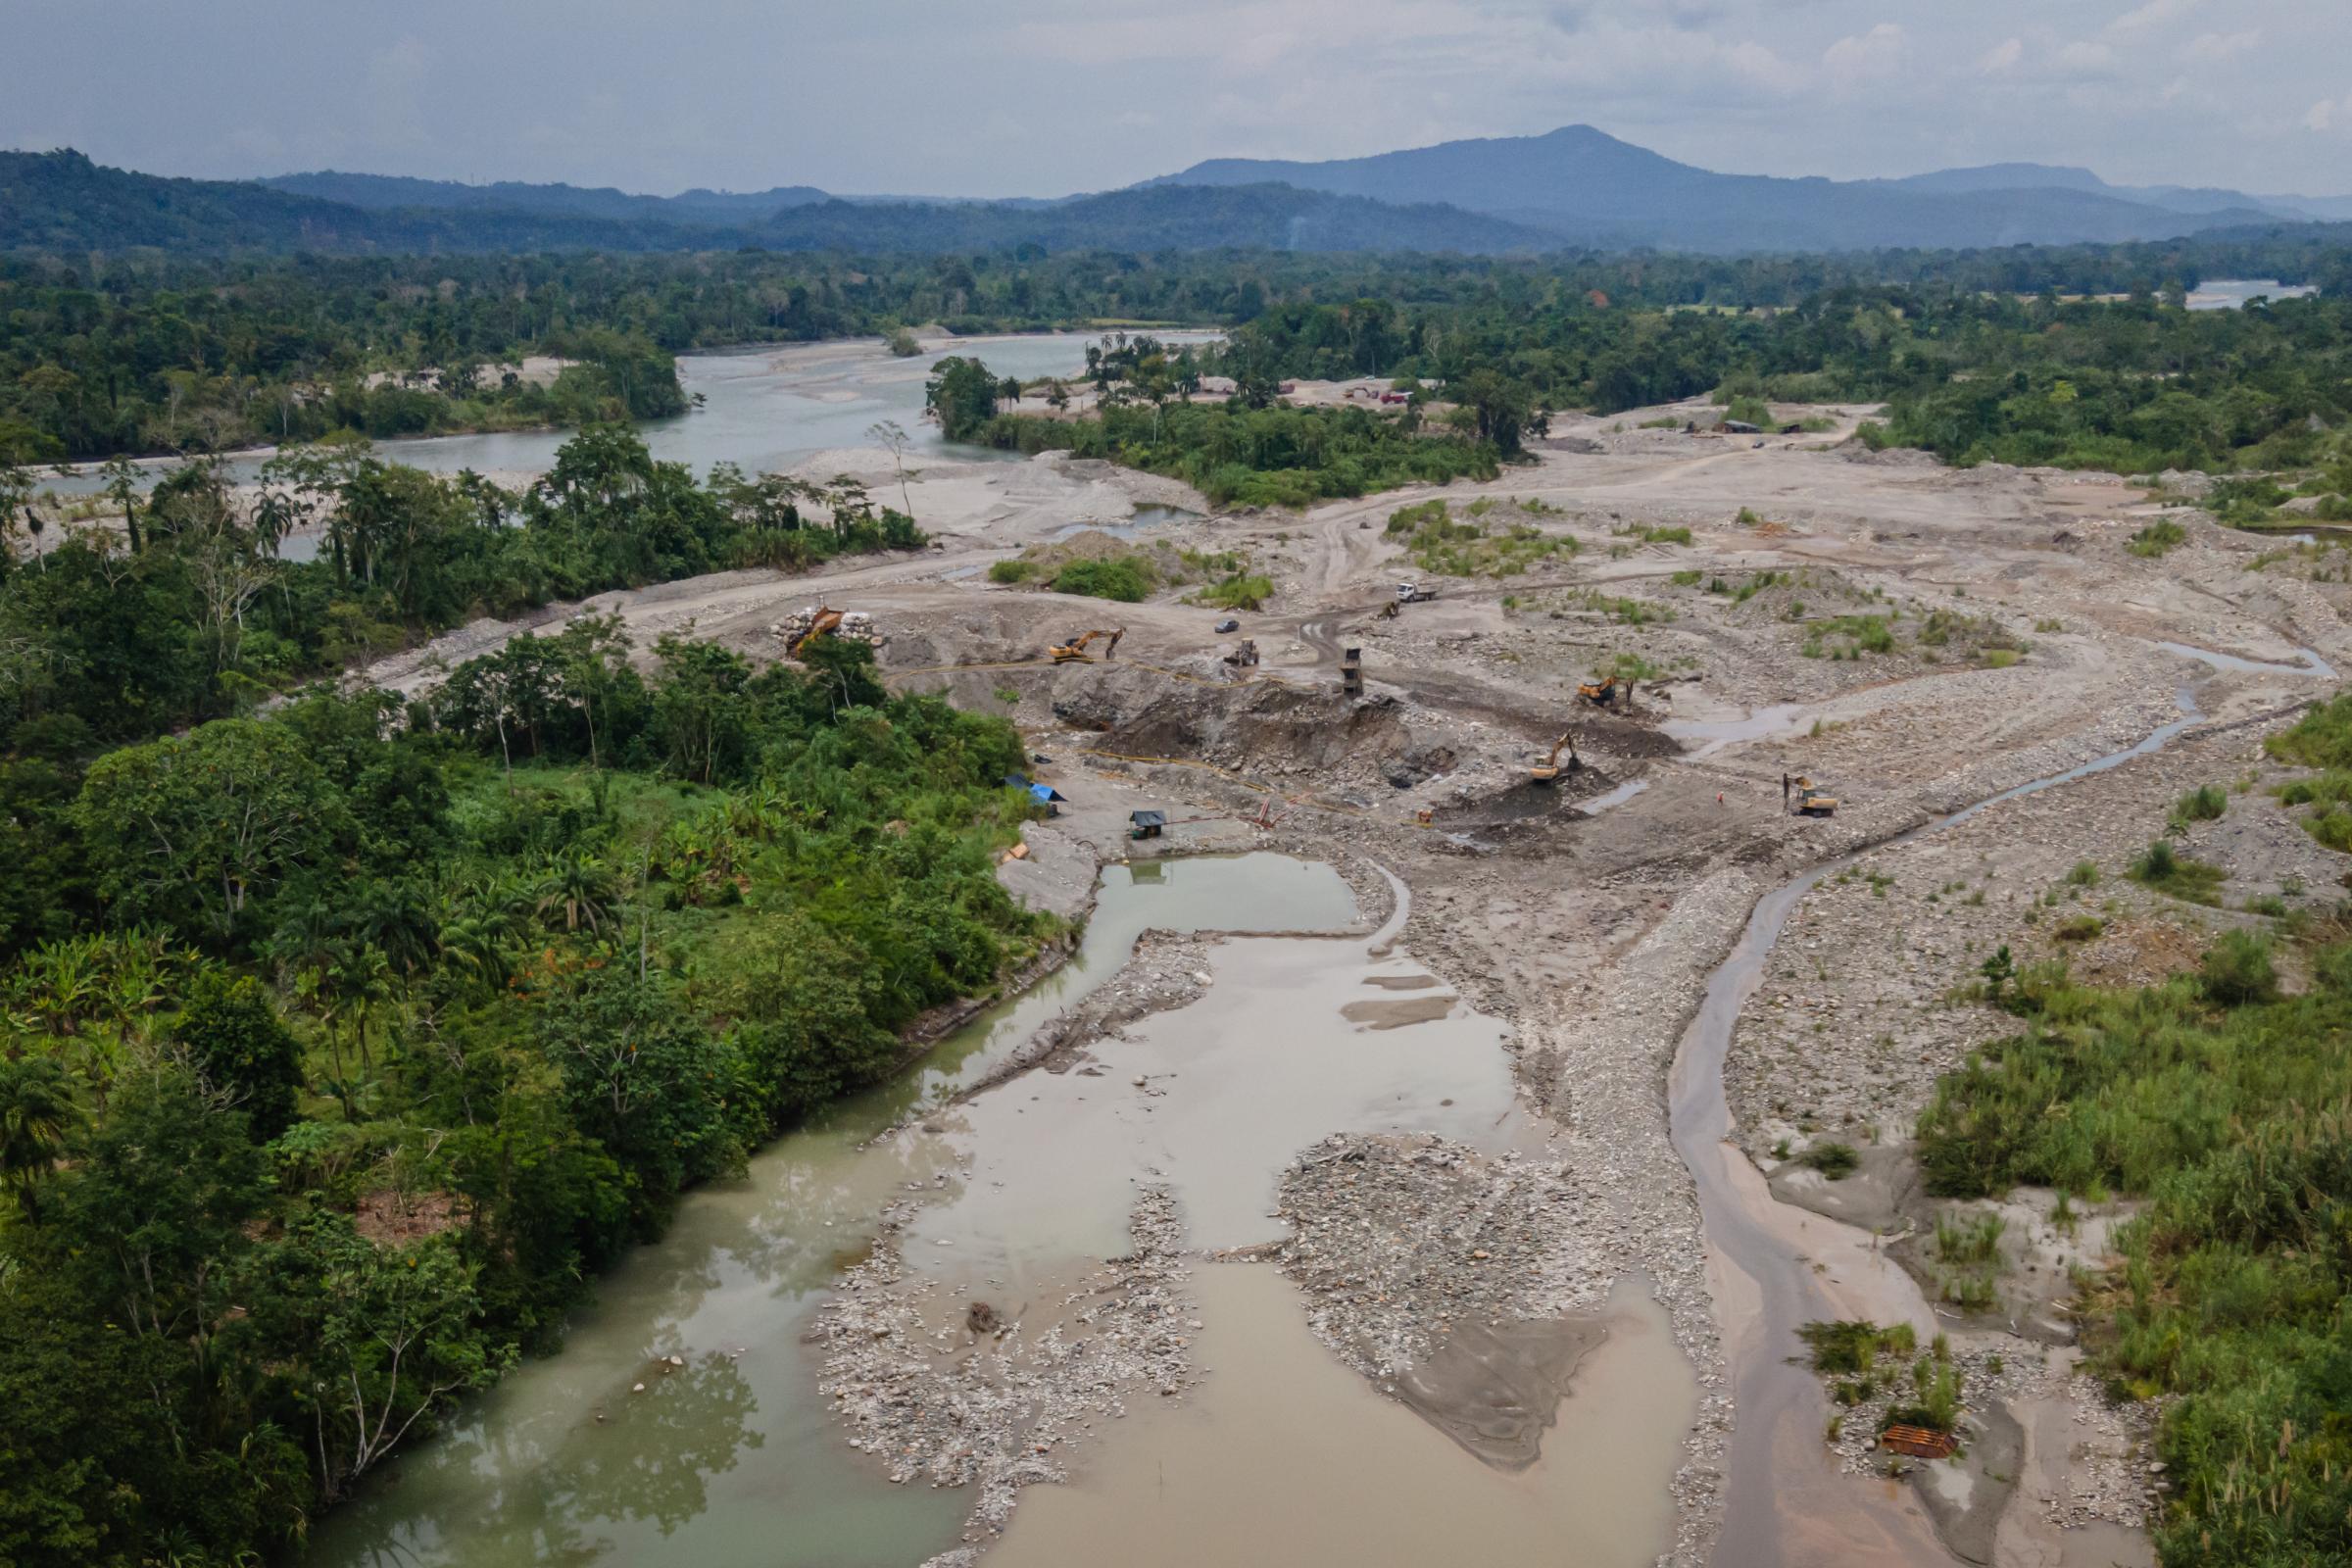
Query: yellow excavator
[[1074, 651], [1543, 769], [1604, 692], [1811, 802], [828, 619]]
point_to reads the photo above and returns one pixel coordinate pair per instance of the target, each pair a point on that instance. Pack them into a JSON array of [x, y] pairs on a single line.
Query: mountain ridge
[[1580, 182]]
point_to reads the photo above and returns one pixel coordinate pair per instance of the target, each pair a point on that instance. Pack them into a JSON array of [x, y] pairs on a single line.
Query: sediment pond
[[734, 1458]]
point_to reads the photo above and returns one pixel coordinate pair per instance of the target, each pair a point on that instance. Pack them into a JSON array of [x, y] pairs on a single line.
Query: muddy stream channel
[[1280, 1452], [1774, 1267]]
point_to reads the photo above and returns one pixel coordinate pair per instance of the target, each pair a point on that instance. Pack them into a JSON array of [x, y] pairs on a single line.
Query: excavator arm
[[826, 620], [1548, 767], [1075, 648]]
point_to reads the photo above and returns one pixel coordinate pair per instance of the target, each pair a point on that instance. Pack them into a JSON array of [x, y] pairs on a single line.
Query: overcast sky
[[1042, 97]]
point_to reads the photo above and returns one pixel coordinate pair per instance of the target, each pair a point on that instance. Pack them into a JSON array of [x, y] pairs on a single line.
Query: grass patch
[[1442, 547], [2204, 803], [2168, 871], [1012, 570], [2156, 538], [1853, 1345], [1837, 1161], [1241, 591], [2227, 1107]]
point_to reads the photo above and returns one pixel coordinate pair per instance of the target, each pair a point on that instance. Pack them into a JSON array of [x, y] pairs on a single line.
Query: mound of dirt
[[1260, 723]]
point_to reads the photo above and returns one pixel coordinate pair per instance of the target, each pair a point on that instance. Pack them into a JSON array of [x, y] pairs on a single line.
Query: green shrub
[[2236, 970], [1976, 1240], [1837, 1161], [1012, 570], [1241, 591], [2168, 871], [2204, 803], [1124, 580], [2157, 538]]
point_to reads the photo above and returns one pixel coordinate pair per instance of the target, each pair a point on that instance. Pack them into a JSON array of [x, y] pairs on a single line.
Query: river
[[601, 1454], [764, 407], [735, 1460]]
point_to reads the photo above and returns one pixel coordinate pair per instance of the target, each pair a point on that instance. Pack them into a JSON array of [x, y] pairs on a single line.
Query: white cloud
[[2219, 45], [2328, 113], [2084, 57], [2149, 14], [1864, 57], [2003, 57]]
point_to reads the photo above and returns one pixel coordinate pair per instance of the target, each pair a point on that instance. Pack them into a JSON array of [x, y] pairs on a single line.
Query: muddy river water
[[1785, 1506], [764, 407], [735, 1458]]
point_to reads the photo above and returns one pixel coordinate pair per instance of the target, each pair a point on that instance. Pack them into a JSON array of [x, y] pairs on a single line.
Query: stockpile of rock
[[1397, 1239], [959, 1393]]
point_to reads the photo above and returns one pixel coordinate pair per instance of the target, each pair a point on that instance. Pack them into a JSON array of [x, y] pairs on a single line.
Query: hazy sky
[[1038, 97]]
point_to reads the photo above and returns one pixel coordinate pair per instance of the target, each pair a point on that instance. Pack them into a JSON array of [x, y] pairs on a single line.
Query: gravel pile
[[1167, 969], [1398, 1238], [2112, 1476], [1866, 1000], [945, 1390]]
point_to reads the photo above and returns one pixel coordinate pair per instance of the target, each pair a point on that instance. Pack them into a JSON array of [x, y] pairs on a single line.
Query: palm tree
[[581, 886], [122, 486], [36, 1108]]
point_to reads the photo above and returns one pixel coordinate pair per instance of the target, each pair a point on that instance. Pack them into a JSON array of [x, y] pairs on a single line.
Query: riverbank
[[1576, 923]]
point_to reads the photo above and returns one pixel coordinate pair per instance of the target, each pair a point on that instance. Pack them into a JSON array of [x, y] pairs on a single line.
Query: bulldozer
[[1812, 802], [1074, 651], [1547, 767], [1244, 654]]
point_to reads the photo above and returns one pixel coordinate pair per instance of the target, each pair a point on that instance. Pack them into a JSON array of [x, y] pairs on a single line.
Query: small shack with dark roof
[[1146, 825]]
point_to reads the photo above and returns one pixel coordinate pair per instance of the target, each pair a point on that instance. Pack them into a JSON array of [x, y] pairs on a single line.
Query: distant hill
[[696, 208], [63, 202], [1576, 186], [2177, 198], [1590, 188], [1170, 217]]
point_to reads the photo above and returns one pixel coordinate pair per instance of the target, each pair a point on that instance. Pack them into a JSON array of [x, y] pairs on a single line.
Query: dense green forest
[[199, 616], [146, 354], [342, 1043], [1238, 450], [2134, 387]]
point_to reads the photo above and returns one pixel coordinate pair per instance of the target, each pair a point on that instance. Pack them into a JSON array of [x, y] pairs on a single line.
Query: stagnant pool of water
[[735, 1460], [1282, 1456]]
